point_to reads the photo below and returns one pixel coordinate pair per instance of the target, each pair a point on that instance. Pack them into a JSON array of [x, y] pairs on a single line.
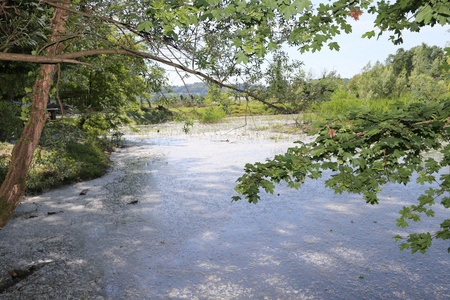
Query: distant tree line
[[408, 71]]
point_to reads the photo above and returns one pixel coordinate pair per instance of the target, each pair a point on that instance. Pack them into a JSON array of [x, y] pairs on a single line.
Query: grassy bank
[[65, 155], [341, 102], [204, 113], [211, 113]]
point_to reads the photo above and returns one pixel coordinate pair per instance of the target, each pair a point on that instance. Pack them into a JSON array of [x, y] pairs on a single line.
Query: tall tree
[[13, 187]]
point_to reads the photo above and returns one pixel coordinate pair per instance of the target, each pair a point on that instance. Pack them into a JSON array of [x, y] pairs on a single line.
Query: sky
[[356, 52]]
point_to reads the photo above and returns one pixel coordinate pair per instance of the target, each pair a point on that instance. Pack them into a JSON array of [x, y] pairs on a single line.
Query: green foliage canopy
[[415, 71], [213, 39]]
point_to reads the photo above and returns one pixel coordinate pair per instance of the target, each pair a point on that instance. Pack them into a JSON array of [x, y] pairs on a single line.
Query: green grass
[[65, 155], [92, 161], [53, 168], [341, 103], [209, 114]]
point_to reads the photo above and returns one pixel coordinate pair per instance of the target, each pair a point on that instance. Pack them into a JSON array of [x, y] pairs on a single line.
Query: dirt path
[[161, 225]]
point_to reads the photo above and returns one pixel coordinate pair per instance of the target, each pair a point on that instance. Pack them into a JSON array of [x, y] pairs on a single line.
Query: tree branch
[[69, 58], [149, 56], [166, 62], [39, 59]]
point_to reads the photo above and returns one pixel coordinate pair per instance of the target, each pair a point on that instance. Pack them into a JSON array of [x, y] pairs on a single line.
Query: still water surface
[[161, 225], [190, 241]]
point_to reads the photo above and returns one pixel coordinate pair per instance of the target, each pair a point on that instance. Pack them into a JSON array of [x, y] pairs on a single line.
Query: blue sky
[[357, 52]]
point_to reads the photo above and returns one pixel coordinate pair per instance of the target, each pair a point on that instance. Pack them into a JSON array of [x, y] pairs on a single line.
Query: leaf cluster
[[24, 25], [396, 17], [365, 150]]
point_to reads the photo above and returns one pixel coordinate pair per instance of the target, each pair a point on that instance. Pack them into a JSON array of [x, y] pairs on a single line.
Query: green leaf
[[286, 10], [302, 4], [404, 246], [446, 202], [145, 26], [429, 213], [230, 9], [397, 238], [369, 34], [241, 57], [334, 46], [402, 223], [425, 15], [268, 186], [236, 198], [432, 165]]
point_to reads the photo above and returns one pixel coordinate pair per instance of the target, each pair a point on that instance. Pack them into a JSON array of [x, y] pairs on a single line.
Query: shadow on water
[[162, 226]]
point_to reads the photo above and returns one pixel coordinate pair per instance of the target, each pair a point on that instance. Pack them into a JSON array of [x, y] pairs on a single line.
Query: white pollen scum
[[185, 239]]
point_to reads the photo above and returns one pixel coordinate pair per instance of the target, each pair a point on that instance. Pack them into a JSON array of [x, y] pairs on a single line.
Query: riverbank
[[161, 225], [65, 155]]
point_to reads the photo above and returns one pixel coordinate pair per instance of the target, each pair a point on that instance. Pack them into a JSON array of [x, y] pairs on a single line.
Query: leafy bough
[[365, 150]]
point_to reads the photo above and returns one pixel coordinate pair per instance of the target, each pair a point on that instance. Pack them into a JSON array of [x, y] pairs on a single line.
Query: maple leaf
[[355, 14]]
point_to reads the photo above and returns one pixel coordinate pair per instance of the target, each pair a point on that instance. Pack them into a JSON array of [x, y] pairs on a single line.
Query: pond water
[[311, 243], [168, 229]]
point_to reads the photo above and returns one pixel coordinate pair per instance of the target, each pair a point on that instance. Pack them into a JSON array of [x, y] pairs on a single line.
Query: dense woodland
[[99, 65]]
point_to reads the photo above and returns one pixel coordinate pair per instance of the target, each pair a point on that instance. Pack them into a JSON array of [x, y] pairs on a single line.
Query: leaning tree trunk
[[13, 187]]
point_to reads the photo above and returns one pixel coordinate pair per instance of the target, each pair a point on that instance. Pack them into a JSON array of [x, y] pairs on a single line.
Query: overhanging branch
[[168, 63], [39, 59], [149, 56], [70, 58]]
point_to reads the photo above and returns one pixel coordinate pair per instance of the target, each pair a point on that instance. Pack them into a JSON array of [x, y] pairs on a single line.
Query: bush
[[427, 88], [4, 164], [342, 101], [65, 155], [212, 114], [92, 161]]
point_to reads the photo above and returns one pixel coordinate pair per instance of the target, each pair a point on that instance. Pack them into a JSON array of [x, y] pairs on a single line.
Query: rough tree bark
[[13, 187]]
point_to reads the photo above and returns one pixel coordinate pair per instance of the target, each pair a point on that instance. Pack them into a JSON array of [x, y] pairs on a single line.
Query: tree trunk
[[13, 187]]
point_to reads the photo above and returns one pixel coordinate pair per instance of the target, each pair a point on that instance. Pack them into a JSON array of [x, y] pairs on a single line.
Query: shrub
[[212, 114], [4, 164], [92, 162], [342, 101], [66, 154]]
